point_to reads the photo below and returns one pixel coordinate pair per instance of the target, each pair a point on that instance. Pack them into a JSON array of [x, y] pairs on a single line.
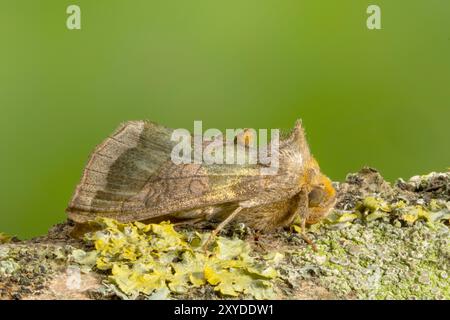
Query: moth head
[[321, 199], [321, 193]]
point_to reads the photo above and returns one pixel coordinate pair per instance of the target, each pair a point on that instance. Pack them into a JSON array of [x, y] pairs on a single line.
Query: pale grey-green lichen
[[378, 260]]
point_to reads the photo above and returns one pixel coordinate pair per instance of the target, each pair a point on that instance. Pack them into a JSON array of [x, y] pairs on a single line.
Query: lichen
[[383, 248], [380, 261], [26, 268], [154, 259], [381, 242]]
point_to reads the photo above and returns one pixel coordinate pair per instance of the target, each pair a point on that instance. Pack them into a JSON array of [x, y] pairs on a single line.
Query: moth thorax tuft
[[246, 138]]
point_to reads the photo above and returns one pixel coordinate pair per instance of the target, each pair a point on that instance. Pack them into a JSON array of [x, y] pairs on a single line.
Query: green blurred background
[[378, 98]]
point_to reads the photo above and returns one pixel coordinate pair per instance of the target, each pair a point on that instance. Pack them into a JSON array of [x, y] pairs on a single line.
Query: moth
[[130, 177]]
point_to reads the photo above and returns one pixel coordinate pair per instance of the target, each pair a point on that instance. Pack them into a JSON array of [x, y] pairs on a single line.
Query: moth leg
[[305, 236], [221, 226], [304, 213]]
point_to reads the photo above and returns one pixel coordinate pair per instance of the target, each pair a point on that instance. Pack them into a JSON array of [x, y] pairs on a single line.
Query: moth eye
[[315, 197]]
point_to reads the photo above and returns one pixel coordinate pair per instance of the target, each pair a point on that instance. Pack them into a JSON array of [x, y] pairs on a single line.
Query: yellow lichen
[[154, 259]]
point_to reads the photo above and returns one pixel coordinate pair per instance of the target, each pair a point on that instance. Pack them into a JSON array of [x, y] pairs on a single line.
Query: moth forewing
[[131, 176]]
